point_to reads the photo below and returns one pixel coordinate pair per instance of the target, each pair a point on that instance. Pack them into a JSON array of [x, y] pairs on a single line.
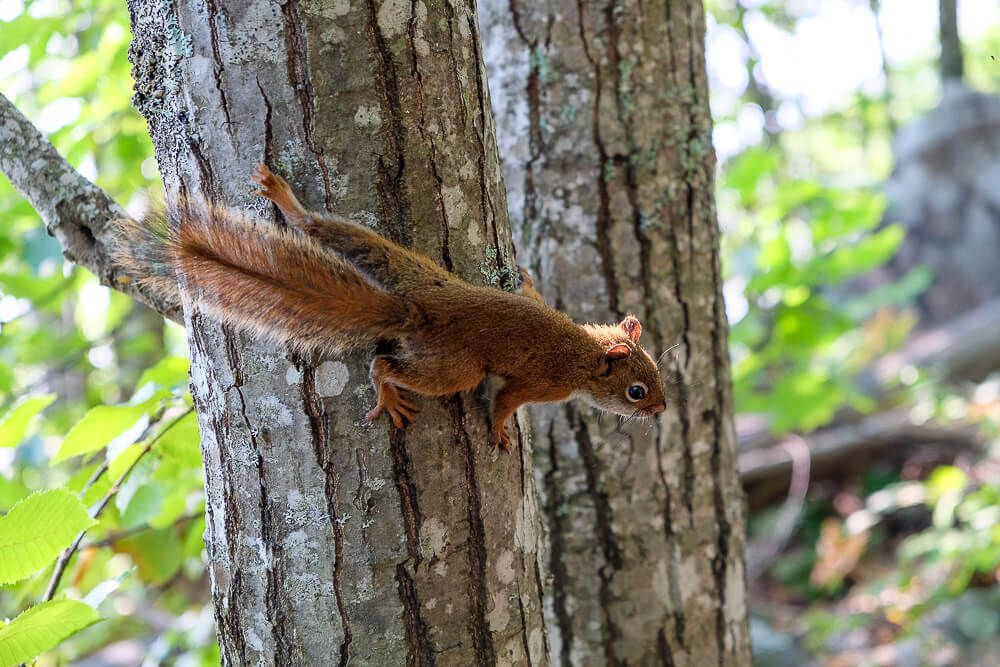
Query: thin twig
[[129, 532], [67, 553]]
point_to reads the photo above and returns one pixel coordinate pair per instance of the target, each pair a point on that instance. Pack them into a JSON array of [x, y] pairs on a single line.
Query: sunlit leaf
[[41, 628], [14, 424], [181, 443], [945, 480], [123, 460], [169, 372], [36, 529], [99, 427], [11, 491]]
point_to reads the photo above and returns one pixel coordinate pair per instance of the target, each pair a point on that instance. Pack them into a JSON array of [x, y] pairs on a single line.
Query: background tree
[[602, 111]]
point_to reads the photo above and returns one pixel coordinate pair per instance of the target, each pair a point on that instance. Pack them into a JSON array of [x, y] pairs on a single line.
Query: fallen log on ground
[[767, 471], [967, 347]]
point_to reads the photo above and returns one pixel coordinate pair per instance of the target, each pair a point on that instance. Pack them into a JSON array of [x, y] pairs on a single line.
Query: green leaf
[[171, 508], [144, 504], [848, 213], [41, 628], [98, 427], [157, 553], [15, 423], [195, 540], [11, 491], [31, 286], [120, 463], [945, 481], [168, 373], [854, 260], [745, 172], [181, 443], [36, 529]]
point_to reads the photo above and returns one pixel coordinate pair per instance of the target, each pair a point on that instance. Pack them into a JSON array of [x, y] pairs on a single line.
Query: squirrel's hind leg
[[388, 398], [427, 375], [278, 190]]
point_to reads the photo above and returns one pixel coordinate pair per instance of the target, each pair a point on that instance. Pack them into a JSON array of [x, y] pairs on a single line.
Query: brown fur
[[282, 285]]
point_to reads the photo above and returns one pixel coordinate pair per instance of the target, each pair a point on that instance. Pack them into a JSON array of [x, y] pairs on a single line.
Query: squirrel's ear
[[630, 325], [619, 351]]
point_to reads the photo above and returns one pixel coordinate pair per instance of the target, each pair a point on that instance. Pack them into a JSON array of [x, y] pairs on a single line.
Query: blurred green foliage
[[95, 419], [803, 223], [800, 343]]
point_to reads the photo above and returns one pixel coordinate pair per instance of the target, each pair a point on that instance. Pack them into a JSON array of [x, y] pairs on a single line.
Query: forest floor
[[894, 565]]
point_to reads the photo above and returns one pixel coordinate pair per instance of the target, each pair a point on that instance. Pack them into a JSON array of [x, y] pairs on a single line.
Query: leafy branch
[[67, 554]]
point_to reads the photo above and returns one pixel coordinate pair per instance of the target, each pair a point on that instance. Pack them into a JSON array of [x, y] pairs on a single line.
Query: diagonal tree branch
[[76, 212]]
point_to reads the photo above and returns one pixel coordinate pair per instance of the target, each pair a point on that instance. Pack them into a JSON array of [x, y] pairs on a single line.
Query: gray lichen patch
[[393, 17], [331, 378]]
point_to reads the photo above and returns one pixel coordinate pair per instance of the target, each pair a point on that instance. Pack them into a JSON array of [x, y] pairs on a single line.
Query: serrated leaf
[[14, 424], [99, 427], [41, 628], [36, 529]]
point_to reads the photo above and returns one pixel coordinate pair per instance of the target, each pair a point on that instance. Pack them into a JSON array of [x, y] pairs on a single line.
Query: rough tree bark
[[951, 63], [603, 119], [330, 540]]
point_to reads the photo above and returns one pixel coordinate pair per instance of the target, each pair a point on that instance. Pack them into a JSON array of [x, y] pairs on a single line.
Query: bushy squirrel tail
[[274, 283], [142, 256]]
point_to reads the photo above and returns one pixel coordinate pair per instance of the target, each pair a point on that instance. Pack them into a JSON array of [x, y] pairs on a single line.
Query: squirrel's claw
[[499, 438], [400, 410], [262, 175], [374, 413], [268, 182]]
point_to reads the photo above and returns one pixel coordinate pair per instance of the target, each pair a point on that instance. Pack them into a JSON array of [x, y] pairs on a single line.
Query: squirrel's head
[[625, 380]]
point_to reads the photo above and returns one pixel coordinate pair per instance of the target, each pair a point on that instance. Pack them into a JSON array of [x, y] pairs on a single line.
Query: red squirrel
[[328, 284]]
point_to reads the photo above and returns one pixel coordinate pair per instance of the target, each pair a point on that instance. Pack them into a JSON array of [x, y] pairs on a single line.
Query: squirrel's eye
[[636, 392]]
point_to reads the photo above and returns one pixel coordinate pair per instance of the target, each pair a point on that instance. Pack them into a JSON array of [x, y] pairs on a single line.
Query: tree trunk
[[329, 540], [604, 123], [951, 62]]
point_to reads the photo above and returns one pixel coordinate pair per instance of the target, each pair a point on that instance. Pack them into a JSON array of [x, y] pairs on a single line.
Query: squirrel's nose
[[662, 407]]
